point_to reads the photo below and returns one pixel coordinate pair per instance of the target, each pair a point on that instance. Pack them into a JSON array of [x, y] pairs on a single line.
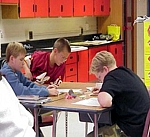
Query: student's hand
[[95, 90], [28, 75], [53, 91], [52, 86]]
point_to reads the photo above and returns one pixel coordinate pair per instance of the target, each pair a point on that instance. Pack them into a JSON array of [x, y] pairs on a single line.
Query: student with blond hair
[[15, 54], [123, 89]]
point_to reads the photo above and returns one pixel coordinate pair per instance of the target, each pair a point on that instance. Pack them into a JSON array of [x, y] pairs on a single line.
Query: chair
[[48, 121], [146, 131], [2, 61]]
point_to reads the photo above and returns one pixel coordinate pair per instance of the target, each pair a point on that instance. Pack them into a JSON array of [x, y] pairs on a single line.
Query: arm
[[22, 86], [26, 67], [105, 99]]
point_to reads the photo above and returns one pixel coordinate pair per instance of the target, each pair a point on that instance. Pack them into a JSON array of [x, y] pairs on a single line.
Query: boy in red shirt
[[52, 63]]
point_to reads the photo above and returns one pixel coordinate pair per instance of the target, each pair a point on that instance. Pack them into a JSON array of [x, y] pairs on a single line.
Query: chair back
[[2, 61], [146, 131]]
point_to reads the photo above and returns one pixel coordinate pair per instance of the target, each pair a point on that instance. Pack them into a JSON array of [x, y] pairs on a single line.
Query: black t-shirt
[[130, 99]]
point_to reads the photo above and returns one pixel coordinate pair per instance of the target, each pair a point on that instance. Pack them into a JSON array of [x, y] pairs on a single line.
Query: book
[[33, 99]]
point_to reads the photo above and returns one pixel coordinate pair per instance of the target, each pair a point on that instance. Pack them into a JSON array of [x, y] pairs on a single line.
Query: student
[[15, 53], [53, 63], [123, 89], [15, 120]]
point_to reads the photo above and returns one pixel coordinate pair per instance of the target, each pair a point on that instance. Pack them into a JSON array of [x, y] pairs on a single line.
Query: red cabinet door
[[83, 7], [101, 7], [41, 8], [92, 53], [33, 8], [117, 51], [61, 8], [83, 66], [26, 8], [66, 8], [71, 68], [9, 1], [71, 79], [106, 4], [54, 6], [98, 7]]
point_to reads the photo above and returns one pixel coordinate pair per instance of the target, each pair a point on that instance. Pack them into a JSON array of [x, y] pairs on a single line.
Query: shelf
[[10, 11]]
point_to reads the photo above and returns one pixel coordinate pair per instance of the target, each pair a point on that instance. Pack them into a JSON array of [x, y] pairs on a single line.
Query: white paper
[[90, 88], [67, 90], [97, 85], [88, 102]]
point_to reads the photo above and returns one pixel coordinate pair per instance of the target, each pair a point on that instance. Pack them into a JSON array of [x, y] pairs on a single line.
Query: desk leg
[[36, 123], [96, 126], [86, 128], [66, 117], [54, 123]]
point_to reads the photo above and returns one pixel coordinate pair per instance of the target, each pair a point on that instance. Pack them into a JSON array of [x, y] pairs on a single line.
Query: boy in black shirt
[[123, 89]]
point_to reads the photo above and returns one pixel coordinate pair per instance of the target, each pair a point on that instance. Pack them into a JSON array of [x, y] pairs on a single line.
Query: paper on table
[[97, 85], [88, 102], [90, 88], [67, 90]]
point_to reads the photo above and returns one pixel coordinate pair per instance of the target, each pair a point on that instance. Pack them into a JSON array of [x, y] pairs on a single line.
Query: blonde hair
[[62, 44], [101, 59], [14, 49]]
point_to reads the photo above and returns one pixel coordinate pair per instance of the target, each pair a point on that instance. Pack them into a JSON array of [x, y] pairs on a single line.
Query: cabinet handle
[[84, 8], [102, 8], [71, 69], [115, 50], [71, 57], [77, 58], [35, 8], [61, 8]]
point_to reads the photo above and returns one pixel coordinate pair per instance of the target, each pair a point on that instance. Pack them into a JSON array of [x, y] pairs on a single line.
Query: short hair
[[102, 58], [62, 44], [14, 49]]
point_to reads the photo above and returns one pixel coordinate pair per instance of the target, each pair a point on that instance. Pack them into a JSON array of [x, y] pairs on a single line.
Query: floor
[[75, 127]]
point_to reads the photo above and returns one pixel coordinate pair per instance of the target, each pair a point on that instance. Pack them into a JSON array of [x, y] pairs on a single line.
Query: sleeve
[[27, 114], [22, 86]]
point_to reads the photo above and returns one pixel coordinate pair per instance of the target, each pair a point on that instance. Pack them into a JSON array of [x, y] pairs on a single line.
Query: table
[[66, 105]]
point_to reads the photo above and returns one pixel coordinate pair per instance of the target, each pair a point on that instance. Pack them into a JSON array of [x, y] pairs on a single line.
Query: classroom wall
[[45, 28]]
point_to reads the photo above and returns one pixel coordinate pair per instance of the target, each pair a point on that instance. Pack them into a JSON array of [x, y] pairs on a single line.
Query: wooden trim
[[134, 38]]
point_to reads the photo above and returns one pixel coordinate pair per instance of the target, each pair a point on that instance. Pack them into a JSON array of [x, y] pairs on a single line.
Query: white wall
[[141, 10], [45, 28]]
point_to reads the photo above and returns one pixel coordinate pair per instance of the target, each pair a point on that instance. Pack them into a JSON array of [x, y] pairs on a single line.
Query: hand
[[28, 75], [95, 90], [58, 81], [53, 91], [52, 86]]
